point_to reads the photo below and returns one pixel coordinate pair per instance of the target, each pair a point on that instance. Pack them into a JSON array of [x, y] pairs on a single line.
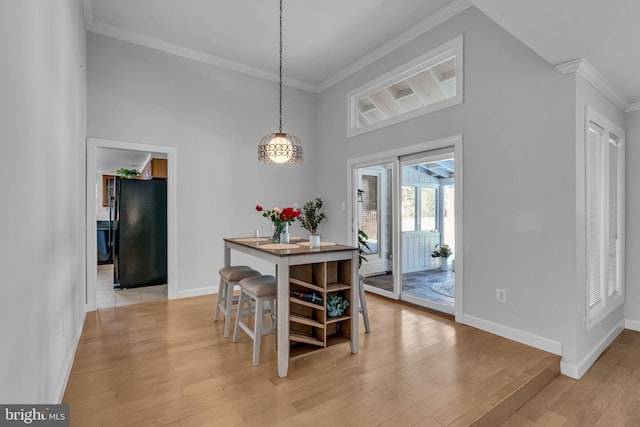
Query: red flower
[[289, 214], [259, 208]]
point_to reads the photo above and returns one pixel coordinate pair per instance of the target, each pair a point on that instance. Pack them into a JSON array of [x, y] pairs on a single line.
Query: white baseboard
[[514, 334], [577, 371], [70, 358], [634, 325], [188, 293]]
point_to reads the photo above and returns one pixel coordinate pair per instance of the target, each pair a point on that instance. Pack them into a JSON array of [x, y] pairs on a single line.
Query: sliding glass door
[[428, 227], [405, 212]]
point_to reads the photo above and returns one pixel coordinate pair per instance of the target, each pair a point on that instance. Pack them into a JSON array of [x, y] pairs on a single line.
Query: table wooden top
[[294, 247]]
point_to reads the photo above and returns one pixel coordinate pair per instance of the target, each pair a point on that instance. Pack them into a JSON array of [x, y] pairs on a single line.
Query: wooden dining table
[[295, 253]]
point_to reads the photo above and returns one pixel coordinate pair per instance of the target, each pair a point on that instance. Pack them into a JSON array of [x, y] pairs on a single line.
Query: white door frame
[[92, 258], [392, 156]]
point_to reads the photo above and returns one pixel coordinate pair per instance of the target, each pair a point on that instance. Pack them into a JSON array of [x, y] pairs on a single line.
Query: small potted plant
[[311, 219], [443, 253], [128, 173], [336, 305]]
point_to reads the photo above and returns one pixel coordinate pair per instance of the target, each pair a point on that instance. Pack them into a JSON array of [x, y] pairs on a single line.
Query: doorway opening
[[409, 208], [100, 214]]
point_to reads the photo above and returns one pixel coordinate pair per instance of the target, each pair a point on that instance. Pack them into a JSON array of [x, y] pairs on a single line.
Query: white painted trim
[[593, 316], [634, 107], [581, 67], [70, 358], [195, 55], [87, 10], [172, 230], [454, 47], [389, 156], [523, 337], [634, 325], [428, 304], [577, 371], [197, 292], [444, 14], [410, 34]]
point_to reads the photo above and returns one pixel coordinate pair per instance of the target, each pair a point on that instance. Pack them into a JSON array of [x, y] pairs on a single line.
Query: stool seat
[[237, 272], [229, 277], [259, 286]]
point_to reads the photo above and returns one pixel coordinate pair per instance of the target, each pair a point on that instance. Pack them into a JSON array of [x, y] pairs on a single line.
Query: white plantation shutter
[[604, 217], [612, 253], [594, 214]]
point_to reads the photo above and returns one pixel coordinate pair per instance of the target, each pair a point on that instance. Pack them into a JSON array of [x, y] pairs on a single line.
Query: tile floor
[[417, 284], [109, 297]]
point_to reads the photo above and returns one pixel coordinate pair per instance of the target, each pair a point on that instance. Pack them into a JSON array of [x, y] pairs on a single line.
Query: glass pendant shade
[[280, 148]]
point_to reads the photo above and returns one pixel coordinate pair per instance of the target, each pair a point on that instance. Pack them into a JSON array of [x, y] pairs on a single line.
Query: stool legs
[[259, 324], [229, 308], [222, 289], [225, 304], [363, 305]]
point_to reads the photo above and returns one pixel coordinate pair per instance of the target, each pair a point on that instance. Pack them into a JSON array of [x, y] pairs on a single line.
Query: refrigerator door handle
[[111, 203]]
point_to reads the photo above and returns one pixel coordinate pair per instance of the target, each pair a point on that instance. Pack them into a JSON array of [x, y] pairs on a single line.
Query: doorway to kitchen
[[407, 211], [100, 274]]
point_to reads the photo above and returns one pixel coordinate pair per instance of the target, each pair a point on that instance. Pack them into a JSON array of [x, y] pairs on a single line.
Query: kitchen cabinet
[[155, 168], [108, 188]]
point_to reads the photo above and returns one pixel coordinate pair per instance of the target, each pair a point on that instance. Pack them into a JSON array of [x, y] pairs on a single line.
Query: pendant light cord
[[280, 66]]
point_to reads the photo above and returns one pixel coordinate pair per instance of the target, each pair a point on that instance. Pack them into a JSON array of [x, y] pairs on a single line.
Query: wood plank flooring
[[607, 395], [166, 363]]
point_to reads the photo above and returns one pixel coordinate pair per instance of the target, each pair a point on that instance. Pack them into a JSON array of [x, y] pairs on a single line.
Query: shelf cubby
[[310, 327]]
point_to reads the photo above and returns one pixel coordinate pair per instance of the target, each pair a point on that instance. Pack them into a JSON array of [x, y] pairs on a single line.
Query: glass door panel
[[374, 218], [427, 200]]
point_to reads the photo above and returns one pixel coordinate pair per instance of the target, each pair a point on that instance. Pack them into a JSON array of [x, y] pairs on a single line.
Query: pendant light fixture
[[280, 147]]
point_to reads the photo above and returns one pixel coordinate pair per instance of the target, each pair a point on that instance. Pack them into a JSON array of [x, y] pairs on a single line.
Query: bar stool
[[229, 277], [255, 292], [363, 305]]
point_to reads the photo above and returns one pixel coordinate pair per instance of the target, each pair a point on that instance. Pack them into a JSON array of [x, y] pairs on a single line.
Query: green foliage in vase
[[311, 216]]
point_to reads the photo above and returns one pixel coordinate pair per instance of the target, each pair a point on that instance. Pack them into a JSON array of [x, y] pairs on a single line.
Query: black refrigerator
[[140, 233]]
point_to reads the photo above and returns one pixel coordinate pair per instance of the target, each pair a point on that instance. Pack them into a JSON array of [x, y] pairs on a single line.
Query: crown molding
[[581, 67], [634, 107], [87, 10], [412, 33], [195, 55]]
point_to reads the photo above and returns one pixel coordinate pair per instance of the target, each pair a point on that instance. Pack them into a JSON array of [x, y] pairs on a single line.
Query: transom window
[[426, 84]]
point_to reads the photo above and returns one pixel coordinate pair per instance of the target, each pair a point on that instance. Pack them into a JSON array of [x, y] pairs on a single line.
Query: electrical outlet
[[501, 295]]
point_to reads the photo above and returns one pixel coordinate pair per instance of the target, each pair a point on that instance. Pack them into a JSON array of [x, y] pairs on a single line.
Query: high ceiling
[[327, 40]]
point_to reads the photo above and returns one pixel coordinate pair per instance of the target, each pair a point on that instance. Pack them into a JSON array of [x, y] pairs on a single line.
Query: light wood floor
[[167, 363], [608, 395]]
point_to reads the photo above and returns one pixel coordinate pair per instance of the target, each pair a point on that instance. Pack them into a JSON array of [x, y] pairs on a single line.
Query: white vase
[[443, 264], [314, 241]]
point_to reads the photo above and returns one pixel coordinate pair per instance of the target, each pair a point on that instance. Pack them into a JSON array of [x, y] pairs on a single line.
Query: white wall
[[517, 121], [632, 305], [215, 118], [42, 114]]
